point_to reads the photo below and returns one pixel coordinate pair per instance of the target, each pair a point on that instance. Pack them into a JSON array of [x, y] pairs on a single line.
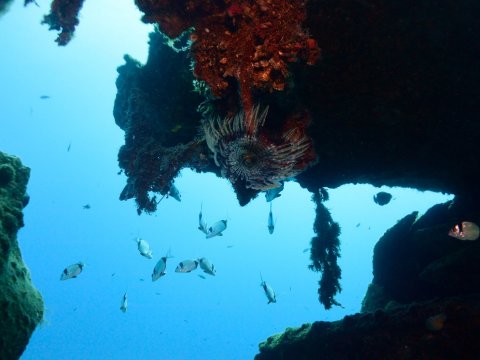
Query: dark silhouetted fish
[[382, 198]]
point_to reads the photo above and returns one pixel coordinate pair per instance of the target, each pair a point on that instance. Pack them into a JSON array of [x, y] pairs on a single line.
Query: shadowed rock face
[[391, 101], [21, 305], [442, 329]]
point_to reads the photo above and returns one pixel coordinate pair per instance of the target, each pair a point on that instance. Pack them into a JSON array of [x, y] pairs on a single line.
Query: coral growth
[[246, 153], [21, 305], [63, 17], [325, 251], [251, 42], [156, 108], [153, 168]]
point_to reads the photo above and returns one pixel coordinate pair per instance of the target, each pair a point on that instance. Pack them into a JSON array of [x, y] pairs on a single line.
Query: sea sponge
[[7, 174]]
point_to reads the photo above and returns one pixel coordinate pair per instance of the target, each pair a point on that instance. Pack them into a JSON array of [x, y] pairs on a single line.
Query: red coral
[[63, 17], [251, 41]]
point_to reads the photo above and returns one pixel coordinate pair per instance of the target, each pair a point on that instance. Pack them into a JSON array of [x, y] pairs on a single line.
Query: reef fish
[[128, 191], [382, 198], [174, 193], [271, 225], [186, 266], [206, 266], [144, 248], [72, 271], [273, 193], [159, 269], [216, 229], [466, 230], [202, 224], [270, 294], [124, 303]]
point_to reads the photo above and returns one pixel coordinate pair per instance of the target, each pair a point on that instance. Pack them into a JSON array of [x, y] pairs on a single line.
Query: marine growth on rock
[[244, 152]]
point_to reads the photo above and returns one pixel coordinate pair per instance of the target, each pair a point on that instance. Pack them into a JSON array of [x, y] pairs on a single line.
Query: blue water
[[180, 316]]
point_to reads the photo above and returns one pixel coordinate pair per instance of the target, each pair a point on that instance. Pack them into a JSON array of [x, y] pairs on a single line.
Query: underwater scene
[[246, 179]]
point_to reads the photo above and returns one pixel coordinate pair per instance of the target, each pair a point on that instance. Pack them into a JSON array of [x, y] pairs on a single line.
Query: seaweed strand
[[325, 250]]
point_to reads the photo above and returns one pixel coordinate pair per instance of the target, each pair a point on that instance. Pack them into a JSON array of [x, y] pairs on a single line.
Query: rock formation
[[21, 305]]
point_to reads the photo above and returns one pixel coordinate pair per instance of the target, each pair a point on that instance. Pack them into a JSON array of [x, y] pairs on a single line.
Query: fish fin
[[220, 234]]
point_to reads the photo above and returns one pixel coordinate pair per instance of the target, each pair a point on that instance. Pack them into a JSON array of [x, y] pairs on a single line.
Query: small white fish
[[186, 266], [206, 266], [144, 248], [159, 269], [72, 271], [273, 193], [124, 303], [271, 225], [466, 230], [202, 224], [174, 193], [268, 291], [216, 229]]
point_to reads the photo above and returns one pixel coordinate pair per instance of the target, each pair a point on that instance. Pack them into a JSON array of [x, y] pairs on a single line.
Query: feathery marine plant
[[325, 251], [244, 152]]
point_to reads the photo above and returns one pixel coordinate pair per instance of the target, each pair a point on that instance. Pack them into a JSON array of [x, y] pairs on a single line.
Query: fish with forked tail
[[144, 248], [186, 266], [216, 229], [72, 271], [269, 293], [159, 269]]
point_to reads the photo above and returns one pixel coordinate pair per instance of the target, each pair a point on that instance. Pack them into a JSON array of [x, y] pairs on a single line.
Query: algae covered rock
[[444, 329], [21, 305]]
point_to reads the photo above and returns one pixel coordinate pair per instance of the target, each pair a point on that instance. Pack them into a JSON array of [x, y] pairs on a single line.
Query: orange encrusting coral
[[251, 41], [64, 18]]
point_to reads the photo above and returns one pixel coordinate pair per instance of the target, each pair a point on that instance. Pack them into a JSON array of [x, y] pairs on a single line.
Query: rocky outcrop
[[21, 305], [443, 329], [423, 303], [416, 260]]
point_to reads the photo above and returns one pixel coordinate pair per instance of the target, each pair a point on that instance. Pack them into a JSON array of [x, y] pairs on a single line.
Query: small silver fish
[[271, 225], [186, 266], [216, 229], [144, 248], [466, 230], [202, 224], [128, 191], [174, 193], [206, 266], [72, 271], [124, 303], [271, 194], [268, 291], [159, 269]]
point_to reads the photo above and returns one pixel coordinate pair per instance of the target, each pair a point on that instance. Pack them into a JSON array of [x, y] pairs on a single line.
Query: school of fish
[[187, 265]]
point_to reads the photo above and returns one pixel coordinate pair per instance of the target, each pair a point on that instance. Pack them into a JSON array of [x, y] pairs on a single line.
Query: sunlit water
[[70, 141]]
